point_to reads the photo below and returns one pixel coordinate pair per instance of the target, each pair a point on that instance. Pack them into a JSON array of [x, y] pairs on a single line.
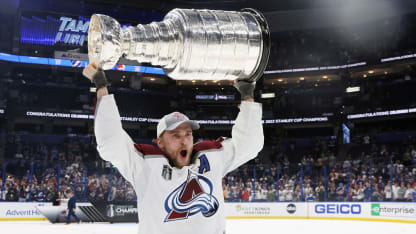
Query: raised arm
[[113, 143], [97, 77], [247, 137]]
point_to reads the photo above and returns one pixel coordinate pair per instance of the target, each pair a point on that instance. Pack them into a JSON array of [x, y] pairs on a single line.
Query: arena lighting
[[76, 63], [267, 95], [316, 68], [1, 111], [382, 113], [353, 89], [152, 120], [409, 56]]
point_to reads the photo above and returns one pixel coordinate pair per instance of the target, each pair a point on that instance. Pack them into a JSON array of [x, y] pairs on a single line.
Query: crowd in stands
[[370, 172], [48, 172]]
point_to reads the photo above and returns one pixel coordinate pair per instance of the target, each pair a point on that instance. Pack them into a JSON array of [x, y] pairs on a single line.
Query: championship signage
[[118, 211]]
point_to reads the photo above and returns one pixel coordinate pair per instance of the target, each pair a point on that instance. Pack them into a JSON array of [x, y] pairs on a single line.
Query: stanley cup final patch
[[167, 172]]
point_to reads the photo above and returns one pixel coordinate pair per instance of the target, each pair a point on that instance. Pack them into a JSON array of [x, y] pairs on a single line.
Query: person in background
[[376, 196], [71, 208], [367, 192], [408, 196], [387, 192], [401, 192]]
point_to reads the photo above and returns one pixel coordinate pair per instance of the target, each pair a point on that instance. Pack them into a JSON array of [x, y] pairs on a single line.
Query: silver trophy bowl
[[188, 44]]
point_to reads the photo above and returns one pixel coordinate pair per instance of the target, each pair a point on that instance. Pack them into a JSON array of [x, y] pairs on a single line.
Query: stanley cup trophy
[[188, 44]]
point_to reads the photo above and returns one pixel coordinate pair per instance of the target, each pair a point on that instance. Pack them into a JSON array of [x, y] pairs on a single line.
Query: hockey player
[[179, 183]]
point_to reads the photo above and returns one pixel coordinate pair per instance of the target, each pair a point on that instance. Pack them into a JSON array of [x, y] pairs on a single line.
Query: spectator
[[408, 196], [332, 194], [396, 191], [311, 196], [307, 190], [271, 194], [376, 196], [388, 194], [401, 192], [340, 193], [367, 192], [12, 193], [360, 192], [288, 193], [245, 195], [354, 192], [282, 196], [320, 193]]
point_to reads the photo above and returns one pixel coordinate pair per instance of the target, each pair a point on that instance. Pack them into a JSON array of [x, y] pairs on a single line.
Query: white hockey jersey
[[173, 200]]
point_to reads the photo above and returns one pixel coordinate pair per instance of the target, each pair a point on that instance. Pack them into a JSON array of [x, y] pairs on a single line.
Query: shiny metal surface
[[104, 36], [188, 44]]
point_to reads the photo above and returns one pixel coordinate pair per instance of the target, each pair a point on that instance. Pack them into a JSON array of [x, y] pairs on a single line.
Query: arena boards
[[399, 212]]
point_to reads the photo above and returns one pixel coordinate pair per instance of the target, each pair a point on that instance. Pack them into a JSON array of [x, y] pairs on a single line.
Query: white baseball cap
[[172, 121]]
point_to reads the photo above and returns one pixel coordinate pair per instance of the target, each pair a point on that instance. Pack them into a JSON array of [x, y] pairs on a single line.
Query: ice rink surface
[[248, 226]]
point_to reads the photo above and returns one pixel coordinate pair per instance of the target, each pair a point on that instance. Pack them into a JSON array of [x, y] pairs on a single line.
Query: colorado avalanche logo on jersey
[[190, 198]]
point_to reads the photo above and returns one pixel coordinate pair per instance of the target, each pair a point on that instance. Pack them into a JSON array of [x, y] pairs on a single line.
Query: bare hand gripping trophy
[[187, 44]]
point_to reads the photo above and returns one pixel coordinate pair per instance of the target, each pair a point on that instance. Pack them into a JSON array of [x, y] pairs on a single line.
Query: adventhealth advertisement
[[407, 210], [21, 210]]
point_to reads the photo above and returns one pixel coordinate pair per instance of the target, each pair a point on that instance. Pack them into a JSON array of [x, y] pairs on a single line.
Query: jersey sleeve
[[247, 137], [113, 143]]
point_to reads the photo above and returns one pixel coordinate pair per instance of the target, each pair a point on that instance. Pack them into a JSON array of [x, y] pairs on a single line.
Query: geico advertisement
[[407, 210], [336, 209], [20, 210]]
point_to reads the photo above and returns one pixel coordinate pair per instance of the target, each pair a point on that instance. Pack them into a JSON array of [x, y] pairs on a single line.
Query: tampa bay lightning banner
[[51, 30]]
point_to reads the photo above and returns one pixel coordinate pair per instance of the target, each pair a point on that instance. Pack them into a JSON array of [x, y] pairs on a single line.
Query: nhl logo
[[291, 208]]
